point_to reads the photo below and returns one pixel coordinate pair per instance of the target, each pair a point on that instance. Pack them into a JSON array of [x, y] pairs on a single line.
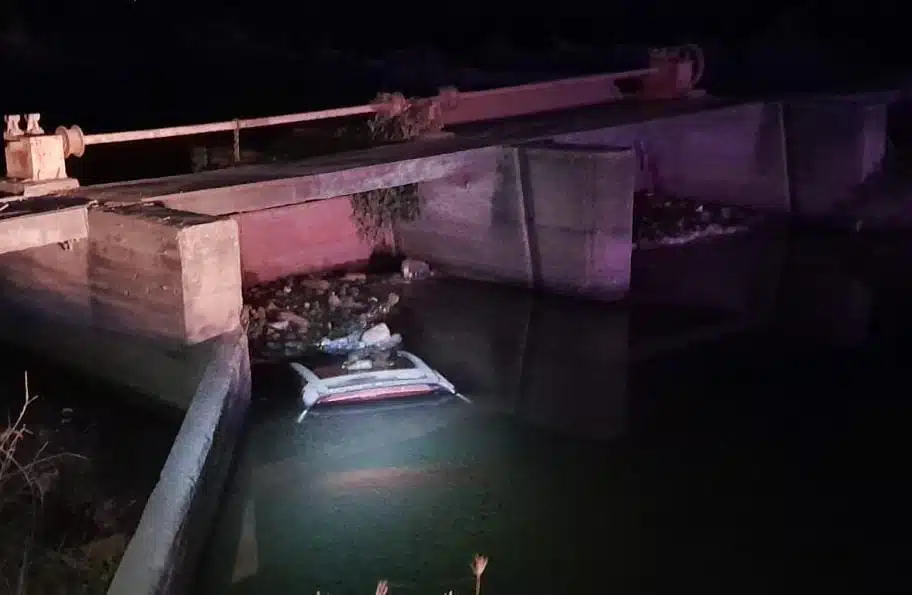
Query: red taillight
[[377, 394]]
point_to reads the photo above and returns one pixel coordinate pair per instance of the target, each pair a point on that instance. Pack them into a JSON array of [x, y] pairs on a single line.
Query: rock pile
[[297, 316], [661, 220], [288, 318]]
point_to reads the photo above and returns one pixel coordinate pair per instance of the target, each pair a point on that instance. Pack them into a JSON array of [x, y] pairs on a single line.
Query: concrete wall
[[150, 301], [151, 272], [136, 303], [159, 274], [731, 155], [833, 145], [298, 239], [543, 215], [161, 557], [33, 226], [579, 205]]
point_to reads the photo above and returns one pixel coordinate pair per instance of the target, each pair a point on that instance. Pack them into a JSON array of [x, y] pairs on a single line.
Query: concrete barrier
[[144, 270], [732, 155], [161, 557]]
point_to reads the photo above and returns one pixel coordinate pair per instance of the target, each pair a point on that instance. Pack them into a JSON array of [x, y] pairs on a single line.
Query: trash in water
[[379, 333], [358, 365], [375, 339]]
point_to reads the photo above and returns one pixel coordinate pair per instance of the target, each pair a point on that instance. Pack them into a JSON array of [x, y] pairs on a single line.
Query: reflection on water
[[735, 427]]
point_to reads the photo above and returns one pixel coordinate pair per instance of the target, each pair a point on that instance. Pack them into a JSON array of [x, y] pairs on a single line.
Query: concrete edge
[[161, 556]]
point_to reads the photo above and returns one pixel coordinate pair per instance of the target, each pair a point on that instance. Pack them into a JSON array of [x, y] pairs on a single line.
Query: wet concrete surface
[[737, 426]]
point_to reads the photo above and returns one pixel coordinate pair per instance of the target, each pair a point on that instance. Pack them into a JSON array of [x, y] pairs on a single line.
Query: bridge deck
[[384, 166]]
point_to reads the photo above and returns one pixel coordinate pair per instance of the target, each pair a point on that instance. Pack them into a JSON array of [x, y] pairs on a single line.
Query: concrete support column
[[579, 205], [471, 222], [164, 274], [547, 215], [833, 145], [136, 303]]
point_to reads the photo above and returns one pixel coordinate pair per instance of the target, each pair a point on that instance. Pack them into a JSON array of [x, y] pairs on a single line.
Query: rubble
[[297, 316], [662, 220]]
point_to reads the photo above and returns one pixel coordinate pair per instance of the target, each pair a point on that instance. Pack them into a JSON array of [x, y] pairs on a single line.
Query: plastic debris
[[377, 334], [375, 339], [415, 269]]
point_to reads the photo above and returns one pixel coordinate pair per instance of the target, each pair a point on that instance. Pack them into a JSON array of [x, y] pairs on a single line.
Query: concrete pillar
[[136, 304], [732, 155], [31, 225], [471, 222], [546, 215], [165, 274], [579, 207], [833, 145]]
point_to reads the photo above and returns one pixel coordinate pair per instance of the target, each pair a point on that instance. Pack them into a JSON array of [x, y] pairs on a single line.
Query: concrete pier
[[144, 288], [542, 215], [146, 270]]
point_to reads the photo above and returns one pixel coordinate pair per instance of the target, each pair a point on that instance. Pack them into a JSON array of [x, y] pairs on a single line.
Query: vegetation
[[34, 558], [478, 565], [376, 211]]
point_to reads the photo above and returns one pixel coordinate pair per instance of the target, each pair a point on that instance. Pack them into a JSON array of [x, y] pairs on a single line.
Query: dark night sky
[[140, 50], [594, 20], [453, 23]]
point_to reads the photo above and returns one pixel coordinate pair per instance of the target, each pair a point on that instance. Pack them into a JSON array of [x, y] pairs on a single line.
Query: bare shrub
[[28, 474], [399, 119]]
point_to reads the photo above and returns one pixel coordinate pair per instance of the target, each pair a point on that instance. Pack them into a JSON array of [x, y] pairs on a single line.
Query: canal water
[[739, 426]]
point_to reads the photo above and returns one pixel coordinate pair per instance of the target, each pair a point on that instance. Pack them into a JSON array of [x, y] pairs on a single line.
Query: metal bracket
[[35, 161], [32, 126], [13, 127]]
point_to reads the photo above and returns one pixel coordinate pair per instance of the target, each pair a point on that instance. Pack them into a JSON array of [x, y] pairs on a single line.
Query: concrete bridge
[[544, 201], [141, 281]]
